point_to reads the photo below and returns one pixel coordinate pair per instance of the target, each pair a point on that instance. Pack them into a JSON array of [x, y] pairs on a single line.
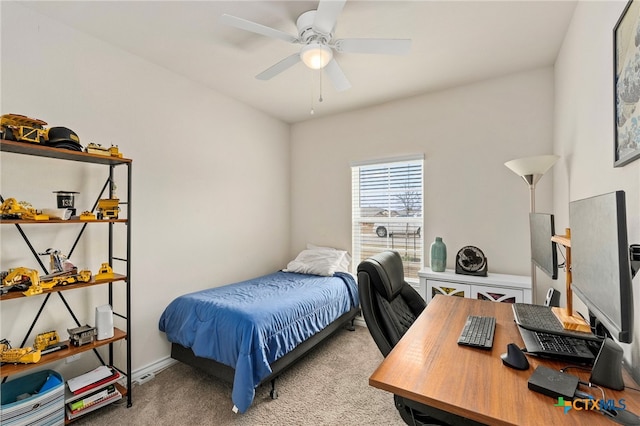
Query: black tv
[[543, 250], [601, 271]]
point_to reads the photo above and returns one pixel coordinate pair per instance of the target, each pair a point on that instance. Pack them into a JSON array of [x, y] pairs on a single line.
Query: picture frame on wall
[[626, 48]]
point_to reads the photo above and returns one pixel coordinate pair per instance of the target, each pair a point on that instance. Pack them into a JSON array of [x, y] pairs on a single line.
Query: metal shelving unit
[[26, 148]]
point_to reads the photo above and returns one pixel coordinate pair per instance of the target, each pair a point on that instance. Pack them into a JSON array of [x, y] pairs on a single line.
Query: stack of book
[[91, 391]]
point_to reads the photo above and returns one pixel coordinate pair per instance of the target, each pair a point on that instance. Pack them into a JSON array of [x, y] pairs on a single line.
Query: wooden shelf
[[18, 294], [33, 222], [562, 239], [11, 369], [38, 150]]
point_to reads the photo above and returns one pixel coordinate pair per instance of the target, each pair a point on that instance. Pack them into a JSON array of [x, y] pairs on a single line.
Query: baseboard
[[152, 368]]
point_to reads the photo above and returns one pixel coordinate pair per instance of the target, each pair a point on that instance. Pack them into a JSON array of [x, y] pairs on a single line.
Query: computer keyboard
[[541, 318], [559, 347], [555, 343], [478, 331]]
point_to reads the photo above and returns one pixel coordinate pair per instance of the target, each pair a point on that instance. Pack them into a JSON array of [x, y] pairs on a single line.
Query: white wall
[[210, 175], [584, 130], [466, 134]]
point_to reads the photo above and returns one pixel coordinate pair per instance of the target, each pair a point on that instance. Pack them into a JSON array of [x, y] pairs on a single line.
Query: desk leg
[[414, 413]]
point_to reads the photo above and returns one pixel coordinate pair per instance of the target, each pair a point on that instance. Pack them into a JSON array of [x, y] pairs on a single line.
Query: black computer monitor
[[600, 267], [543, 250]]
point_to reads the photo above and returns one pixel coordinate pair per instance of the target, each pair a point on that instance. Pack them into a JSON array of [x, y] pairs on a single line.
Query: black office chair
[[390, 306]]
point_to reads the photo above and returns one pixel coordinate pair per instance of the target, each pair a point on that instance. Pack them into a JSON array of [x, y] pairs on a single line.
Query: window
[[387, 211]]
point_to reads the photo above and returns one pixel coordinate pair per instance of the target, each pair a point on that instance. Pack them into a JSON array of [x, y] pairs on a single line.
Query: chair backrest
[[389, 304]]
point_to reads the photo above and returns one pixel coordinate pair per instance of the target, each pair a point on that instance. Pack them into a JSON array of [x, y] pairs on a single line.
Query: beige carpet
[[327, 387]]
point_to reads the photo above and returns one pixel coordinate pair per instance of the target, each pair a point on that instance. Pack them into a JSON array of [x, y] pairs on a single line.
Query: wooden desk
[[428, 366]]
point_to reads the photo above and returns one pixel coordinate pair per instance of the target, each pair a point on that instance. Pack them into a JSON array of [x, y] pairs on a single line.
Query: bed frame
[[226, 373]]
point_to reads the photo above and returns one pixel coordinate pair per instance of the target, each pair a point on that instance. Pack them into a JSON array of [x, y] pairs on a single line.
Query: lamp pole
[[531, 180], [531, 169]]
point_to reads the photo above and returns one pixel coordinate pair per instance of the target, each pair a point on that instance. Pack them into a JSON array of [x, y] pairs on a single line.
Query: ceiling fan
[[315, 34]]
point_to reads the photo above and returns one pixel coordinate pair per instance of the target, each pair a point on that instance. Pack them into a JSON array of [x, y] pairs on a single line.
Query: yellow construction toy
[[105, 272], [115, 152], [96, 148], [12, 209], [46, 339], [87, 215], [108, 208], [63, 278], [27, 355], [16, 127], [22, 278]]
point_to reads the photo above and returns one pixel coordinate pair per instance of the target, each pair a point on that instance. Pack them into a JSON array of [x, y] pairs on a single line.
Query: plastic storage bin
[[35, 399]]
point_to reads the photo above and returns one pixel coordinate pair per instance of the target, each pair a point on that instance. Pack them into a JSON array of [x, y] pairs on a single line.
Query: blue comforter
[[250, 324]]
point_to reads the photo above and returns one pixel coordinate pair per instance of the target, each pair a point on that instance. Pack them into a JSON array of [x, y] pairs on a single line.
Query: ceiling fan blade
[[254, 27], [374, 45], [276, 69], [337, 77], [327, 15]]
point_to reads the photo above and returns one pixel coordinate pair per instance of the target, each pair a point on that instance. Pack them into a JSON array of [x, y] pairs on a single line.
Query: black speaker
[[607, 369], [553, 298]]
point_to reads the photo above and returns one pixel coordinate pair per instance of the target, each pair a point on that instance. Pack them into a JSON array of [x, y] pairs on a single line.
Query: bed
[[248, 332]]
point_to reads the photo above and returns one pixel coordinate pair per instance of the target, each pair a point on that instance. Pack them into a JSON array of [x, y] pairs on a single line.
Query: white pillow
[[315, 247], [317, 262], [346, 260]]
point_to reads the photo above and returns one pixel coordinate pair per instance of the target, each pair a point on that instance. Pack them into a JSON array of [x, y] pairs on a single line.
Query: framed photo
[[626, 48]]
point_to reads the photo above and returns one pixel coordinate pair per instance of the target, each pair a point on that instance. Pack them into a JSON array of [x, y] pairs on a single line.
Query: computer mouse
[[515, 358]]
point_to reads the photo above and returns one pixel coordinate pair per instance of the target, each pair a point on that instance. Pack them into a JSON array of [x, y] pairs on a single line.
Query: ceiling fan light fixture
[[316, 55]]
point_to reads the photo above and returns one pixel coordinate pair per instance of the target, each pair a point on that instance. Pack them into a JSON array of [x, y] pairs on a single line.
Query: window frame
[[412, 248]]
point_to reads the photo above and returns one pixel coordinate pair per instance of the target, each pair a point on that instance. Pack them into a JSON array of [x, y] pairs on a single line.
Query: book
[[96, 404], [89, 378], [115, 396], [107, 380], [92, 398]]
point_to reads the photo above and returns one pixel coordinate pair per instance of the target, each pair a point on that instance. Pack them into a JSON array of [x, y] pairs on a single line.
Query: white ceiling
[[454, 43]]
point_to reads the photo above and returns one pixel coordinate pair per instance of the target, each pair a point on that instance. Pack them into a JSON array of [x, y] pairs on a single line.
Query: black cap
[[62, 137]]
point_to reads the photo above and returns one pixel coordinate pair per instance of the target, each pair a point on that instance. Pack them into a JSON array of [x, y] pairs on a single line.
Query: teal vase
[[438, 255]]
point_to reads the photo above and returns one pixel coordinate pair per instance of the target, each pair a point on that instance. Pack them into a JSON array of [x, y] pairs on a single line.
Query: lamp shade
[[537, 165], [316, 55]]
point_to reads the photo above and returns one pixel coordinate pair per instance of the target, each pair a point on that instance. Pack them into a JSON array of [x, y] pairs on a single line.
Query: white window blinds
[[387, 213]]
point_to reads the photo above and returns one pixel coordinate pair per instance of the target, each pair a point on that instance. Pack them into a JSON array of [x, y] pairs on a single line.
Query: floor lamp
[[531, 169]]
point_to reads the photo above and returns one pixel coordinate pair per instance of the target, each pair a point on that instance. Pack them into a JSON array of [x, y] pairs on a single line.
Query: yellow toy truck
[[107, 208], [12, 209], [27, 355], [16, 127], [64, 278], [46, 339]]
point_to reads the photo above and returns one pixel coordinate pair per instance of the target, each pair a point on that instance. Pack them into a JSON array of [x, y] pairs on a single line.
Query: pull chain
[[320, 98], [312, 96]]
